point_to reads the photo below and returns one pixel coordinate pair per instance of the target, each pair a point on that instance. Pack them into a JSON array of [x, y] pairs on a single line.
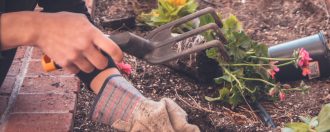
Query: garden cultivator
[[156, 49]]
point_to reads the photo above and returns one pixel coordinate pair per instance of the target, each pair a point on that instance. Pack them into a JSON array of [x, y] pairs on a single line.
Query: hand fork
[[157, 47]]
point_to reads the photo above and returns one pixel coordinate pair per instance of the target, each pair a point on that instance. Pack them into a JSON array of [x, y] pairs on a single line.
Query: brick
[[56, 122], [37, 53], [35, 68], [45, 103], [48, 84], [3, 104], [20, 52], [14, 68], [7, 85]]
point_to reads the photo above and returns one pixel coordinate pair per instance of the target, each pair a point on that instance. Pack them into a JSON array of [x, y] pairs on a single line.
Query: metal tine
[[199, 30], [210, 44], [205, 11], [211, 26]]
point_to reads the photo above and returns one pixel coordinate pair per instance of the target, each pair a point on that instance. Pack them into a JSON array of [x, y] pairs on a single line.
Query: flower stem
[[233, 76], [295, 89], [284, 64], [238, 82], [260, 80], [273, 59], [245, 65]]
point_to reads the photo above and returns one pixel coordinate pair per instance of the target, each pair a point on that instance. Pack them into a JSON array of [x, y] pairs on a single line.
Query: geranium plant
[[249, 72]]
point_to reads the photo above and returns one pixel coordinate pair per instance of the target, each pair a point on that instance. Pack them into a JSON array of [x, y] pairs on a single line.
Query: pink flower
[[273, 69], [273, 66], [304, 58], [282, 96], [125, 68], [303, 61], [306, 71], [272, 73]]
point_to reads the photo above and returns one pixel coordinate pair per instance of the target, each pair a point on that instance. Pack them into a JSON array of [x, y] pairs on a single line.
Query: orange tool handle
[[48, 64]]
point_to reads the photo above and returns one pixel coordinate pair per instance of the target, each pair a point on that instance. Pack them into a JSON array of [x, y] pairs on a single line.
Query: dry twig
[[199, 107]]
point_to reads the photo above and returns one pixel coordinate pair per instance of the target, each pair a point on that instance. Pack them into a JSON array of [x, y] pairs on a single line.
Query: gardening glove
[[126, 109]]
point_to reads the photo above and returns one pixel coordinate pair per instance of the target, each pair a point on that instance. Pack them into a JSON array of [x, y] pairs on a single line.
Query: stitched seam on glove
[[116, 100]]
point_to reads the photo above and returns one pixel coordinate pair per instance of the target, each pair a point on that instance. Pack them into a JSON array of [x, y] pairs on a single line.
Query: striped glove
[[123, 107]]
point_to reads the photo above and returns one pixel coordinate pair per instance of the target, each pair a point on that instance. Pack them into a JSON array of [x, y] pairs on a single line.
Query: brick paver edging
[[32, 100]]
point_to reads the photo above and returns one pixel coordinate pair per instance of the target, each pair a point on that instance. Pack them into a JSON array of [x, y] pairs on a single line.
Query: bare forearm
[[98, 81], [18, 28]]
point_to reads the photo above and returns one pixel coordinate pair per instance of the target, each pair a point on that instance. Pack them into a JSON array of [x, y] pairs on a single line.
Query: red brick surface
[[8, 85], [44, 103], [35, 68], [39, 122], [50, 84], [3, 103], [14, 68], [20, 53], [37, 53]]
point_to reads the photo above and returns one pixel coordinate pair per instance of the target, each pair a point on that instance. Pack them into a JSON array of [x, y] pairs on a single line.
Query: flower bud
[[286, 86], [272, 92], [282, 96]]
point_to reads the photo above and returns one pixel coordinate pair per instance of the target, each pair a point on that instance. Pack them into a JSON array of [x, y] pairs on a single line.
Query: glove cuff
[[116, 100], [87, 78]]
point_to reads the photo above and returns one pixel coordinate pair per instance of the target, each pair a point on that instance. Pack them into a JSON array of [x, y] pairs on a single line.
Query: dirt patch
[[267, 21]]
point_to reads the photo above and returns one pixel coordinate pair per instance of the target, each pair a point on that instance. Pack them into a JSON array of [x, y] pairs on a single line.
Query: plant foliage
[[167, 11], [319, 123], [249, 72]]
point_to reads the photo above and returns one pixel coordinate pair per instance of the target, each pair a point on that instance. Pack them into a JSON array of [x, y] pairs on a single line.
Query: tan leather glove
[[122, 106]]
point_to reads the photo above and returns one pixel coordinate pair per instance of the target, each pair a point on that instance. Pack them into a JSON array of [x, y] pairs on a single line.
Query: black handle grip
[[132, 44]]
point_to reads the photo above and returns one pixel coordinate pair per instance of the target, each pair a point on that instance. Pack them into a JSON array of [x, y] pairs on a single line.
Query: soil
[[267, 21]]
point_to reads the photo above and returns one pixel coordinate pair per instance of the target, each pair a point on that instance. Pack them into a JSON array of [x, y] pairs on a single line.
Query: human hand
[[73, 42]]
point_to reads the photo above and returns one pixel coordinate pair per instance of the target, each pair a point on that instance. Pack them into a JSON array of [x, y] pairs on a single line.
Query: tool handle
[[128, 42]]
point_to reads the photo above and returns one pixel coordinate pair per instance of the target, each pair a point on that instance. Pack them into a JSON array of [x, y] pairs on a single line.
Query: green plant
[[319, 123], [167, 11], [250, 72]]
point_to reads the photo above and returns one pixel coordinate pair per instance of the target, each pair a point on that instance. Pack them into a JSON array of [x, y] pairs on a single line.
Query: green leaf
[[210, 99], [261, 50], [234, 99], [239, 72], [223, 78], [224, 92], [212, 53], [287, 130], [205, 19], [314, 122], [306, 119], [167, 12], [190, 7], [232, 24], [298, 127], [324, 119]]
